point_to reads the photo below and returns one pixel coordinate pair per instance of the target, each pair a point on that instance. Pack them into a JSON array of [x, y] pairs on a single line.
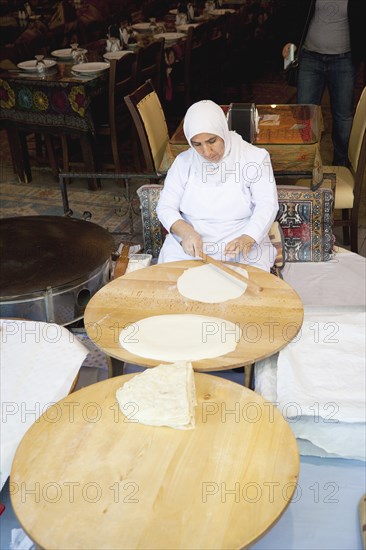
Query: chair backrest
[[195, 63], [357, 132], [149, 64], [121, 82], [151, 126]]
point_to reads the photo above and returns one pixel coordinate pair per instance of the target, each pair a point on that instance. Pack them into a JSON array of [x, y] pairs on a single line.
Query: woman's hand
[[242, 244], [192, 243], [190, 240]]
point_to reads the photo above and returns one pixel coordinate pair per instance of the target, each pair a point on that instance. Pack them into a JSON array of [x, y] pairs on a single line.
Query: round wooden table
[[268, 320], [85, 476]]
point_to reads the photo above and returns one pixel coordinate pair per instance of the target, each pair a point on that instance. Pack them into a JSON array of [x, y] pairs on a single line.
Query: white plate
[[65, 53], [142, 27], [31, 65], [115, 55], [185, 28], [62, 54], [90, 68], [170, 36]]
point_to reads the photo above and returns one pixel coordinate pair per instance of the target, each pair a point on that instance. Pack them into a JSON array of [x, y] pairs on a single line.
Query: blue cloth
[[339, 73]]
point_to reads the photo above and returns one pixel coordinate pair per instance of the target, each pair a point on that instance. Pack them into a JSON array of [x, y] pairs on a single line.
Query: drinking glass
[[153, 25], [40, 65], [74, 50], [115, 44]]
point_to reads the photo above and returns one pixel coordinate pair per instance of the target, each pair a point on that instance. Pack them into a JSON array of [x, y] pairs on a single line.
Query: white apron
[[219, 213]]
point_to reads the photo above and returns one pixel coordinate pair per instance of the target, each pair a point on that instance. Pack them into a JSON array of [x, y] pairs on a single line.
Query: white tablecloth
[[39, 362]]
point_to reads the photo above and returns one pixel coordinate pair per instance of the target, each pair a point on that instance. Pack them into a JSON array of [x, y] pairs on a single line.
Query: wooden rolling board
[[93, 479], [268, 320]]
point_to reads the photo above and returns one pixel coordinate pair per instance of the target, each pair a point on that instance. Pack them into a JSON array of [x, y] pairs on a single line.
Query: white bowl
[[62, 54]]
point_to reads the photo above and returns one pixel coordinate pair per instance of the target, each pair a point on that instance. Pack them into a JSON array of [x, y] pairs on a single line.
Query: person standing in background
[[333, 47]]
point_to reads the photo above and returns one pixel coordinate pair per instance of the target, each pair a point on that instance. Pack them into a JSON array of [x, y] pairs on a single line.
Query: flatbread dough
[[180, 337], [209, 284], [162, 396]]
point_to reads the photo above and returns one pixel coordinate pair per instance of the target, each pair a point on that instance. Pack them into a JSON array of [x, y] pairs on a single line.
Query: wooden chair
[[190, 77], [118, 124], [148, 116], [195, 65], [349, 179], [149, 64], [216, 57]]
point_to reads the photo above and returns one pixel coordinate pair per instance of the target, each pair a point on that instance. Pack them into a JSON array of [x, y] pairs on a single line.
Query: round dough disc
[[209, 284], [180, 337]]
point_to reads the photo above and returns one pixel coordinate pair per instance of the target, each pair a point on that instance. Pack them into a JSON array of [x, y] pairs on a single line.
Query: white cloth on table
[[340, 281], [318, 383], [39, 362], [325, 364], [221, 200]]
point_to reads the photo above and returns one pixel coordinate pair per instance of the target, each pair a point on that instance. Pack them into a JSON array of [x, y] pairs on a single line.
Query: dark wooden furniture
[[122, 80], [58, 103], [149, 119], [149, 64]]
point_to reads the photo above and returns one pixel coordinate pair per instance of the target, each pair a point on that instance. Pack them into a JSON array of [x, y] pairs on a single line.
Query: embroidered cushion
[[306, 218], [152, 231]]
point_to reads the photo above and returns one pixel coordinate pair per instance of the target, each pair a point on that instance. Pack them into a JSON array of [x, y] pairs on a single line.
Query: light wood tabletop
[[85, 476], [268, 320]]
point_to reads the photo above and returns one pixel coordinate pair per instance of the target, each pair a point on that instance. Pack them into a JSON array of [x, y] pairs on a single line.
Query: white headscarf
[[207, 117]]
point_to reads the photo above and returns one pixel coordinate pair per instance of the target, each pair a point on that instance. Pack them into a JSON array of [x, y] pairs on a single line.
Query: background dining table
[[58, 102], [290, 133]]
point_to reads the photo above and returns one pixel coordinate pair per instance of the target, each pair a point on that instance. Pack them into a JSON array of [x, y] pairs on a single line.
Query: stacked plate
[[90, 69], [170, 37], [32, 64]]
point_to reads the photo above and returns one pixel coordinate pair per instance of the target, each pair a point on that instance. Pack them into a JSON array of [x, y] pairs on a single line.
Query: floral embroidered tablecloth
[[59, 102]]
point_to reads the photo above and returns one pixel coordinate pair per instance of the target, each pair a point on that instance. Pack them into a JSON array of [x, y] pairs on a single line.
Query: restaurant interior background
[[249, 69]]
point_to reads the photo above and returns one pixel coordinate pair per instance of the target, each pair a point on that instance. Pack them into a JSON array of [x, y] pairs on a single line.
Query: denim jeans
[[339, 74]]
